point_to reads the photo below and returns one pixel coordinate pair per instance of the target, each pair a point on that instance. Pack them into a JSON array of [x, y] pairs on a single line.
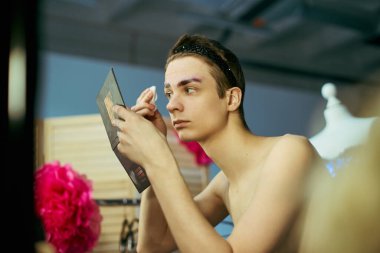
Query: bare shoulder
[[292, 152], [293, 139], [294, 144], [278, 197]]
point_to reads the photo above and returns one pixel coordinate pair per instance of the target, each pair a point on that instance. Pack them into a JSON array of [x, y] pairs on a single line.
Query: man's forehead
[[186, 63], [185, 69]]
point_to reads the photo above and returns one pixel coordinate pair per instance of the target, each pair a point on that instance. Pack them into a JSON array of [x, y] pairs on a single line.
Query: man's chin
[[184, 137]]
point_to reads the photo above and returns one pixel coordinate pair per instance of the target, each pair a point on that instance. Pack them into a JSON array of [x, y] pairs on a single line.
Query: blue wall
[[69, 85]]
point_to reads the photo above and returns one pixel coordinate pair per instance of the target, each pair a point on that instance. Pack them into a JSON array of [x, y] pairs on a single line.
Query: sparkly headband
[[196, 49]]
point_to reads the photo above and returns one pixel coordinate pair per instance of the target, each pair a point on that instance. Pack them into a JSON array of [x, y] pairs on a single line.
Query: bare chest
[[239, 197]]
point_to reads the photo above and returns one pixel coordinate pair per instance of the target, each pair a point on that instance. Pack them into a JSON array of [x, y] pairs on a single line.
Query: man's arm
[[154, 234], [189, 226], [273, 212]]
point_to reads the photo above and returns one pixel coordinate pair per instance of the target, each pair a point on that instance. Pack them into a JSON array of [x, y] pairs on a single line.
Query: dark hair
[[224, 65]]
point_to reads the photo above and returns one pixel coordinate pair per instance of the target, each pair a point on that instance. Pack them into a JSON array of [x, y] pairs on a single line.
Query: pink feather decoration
[[63, 201]]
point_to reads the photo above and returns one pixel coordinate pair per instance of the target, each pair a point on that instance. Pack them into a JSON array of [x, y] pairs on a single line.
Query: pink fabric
[[63, 201], [201, 157]]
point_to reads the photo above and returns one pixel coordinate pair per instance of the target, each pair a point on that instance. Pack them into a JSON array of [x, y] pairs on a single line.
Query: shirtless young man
[[261, 181]]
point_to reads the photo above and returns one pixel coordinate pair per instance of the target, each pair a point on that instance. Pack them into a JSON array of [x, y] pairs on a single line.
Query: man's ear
[[234, 95]]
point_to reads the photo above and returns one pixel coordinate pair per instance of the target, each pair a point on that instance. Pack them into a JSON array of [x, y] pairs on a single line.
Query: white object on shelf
[[342, 130]]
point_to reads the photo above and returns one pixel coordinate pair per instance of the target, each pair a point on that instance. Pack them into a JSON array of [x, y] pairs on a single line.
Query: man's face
[[194, 106]]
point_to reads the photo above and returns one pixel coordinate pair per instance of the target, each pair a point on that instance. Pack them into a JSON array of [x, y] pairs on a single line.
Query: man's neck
[[231, 149]]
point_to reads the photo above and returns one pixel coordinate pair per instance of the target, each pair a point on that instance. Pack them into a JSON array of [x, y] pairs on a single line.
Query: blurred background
[[288, 50], [294, 43]]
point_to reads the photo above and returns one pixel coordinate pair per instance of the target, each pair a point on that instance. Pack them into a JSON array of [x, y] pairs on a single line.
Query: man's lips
[[180, 123]]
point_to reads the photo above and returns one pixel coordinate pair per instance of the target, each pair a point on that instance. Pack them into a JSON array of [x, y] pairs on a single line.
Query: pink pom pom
[[63, 201]]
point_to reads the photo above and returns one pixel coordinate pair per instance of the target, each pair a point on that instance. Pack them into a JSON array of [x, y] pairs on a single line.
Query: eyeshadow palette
[[108, 96]]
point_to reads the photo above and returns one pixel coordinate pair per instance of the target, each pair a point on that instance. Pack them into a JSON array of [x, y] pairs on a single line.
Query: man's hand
[[146, 107]]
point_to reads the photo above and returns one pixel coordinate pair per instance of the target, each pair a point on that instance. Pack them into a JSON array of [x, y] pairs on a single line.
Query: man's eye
[[190, 90], [168, 94]]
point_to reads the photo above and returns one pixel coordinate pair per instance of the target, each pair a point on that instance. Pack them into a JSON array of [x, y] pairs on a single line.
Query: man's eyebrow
[[184, 82]]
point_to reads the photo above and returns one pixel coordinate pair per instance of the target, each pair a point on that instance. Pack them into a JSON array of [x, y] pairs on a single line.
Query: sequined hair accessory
[[197, 49]]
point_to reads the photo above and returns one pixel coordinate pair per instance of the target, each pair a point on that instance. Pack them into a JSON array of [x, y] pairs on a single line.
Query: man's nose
[[174, 104]]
